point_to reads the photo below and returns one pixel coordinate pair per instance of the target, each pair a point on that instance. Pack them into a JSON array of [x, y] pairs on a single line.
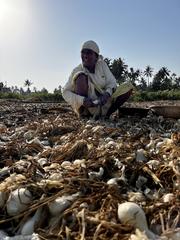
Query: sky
[[40, 40]]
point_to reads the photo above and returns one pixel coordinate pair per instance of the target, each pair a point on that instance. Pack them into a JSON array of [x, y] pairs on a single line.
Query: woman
[[91, 85]]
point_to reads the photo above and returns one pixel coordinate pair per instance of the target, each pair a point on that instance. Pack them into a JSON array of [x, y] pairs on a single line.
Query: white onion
[[153, 164], [112, 181], [168, 197], [79, 162], [34, 236], [61, 203], [42, 161], [18, 201], [136, 197], [130, 213], [66, 164], [55, 176], [28, 227], [94, 175], [97, 129], [140, 155], [2, 234]]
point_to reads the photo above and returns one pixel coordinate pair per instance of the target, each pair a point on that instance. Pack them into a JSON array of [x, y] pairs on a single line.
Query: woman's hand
[[104, 98], [87, 103]]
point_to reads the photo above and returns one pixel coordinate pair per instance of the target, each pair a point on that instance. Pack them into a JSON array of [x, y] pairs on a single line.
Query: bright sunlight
[[6, 9], [14, 19]]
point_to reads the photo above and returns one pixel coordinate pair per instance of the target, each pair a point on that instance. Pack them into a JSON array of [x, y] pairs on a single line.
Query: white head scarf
[[91, 45]]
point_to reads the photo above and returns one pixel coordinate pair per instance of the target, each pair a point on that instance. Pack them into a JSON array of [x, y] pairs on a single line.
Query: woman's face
[[89, 58]]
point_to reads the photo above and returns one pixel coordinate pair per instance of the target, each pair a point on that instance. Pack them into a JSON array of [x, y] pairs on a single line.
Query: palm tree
[[148, 73], [118, 68], [161, 79], [143, 84], [177, 83], [108, 62], [164, 72], [134, 75], [166, 80], [27, 84]]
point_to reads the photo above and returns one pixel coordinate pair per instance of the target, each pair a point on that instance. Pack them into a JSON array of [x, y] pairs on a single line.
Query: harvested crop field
[[66, 178]]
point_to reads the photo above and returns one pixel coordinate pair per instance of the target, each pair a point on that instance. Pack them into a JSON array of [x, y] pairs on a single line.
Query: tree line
[[145, 80], [27, 84]]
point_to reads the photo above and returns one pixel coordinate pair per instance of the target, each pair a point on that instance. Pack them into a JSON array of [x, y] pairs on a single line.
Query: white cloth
[[102, 78], [91, 45]]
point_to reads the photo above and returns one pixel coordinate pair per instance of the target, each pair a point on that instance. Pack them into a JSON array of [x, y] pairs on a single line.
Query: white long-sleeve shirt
[[102, 79]]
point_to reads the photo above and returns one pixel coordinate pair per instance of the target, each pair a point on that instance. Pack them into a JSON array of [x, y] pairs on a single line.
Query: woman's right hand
[[104, 98], [88, 102]]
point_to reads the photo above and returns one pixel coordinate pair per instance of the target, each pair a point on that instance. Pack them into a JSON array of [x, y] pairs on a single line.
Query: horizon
[[41, 40]]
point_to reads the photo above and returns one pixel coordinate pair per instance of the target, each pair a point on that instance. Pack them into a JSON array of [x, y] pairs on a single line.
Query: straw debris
[[77, 172]]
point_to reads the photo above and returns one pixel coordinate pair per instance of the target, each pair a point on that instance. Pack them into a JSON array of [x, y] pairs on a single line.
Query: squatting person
[[91, 85]]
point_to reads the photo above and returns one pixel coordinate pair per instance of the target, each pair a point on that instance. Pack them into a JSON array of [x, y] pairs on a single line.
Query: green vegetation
[[46, 97], [10, 95], [35, 97], [155, 96], [29, 95]]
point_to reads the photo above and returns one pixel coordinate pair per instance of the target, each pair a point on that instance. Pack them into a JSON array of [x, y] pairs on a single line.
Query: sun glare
[[14, 19], [5, 9]]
